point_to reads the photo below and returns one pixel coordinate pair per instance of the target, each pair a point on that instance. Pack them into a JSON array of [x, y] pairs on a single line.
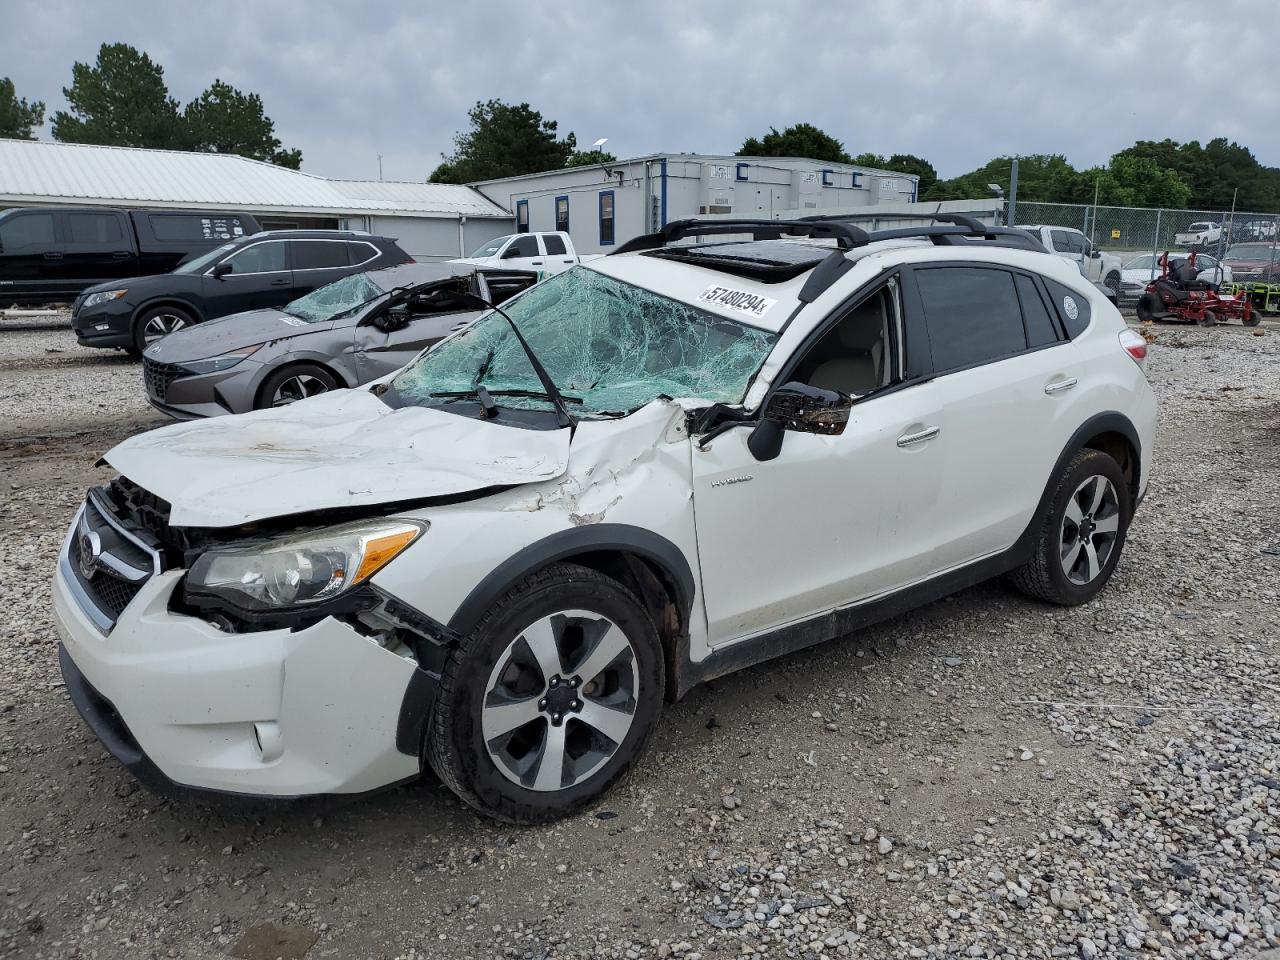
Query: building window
[[606, 218], [857, 180], [522, 216], [742, 171], [828, 178], [562, 214]]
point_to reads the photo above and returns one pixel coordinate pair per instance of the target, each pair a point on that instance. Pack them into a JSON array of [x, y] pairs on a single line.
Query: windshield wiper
[[481, 389], [553, 392]]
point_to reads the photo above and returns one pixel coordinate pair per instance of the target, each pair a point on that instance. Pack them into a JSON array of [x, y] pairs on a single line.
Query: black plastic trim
[[591, 538], [416, 709]]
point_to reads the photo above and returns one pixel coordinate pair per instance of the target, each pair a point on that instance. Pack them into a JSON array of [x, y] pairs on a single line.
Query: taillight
[[1134, 345]]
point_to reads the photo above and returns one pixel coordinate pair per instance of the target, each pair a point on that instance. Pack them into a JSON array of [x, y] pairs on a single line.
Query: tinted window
[[1040, 329], [555, 246], [606, 217], [526, 246], [1066, 241], [94, 227], [319, 254], [1072, 307], [30, 229], [259, 258], [972, 314], [360, 253]]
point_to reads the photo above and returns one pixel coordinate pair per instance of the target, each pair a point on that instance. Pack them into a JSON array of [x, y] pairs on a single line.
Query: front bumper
[[272, 714], [105, 325], [183, 395]]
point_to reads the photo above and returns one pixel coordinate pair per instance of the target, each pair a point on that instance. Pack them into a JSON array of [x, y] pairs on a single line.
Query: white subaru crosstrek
[[635, 476]]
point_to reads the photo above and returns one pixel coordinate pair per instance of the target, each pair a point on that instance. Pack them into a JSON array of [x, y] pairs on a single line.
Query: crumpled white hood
[[341, 449]]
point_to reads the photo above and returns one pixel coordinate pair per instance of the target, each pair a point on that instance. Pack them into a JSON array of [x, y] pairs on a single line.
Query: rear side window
[[319, 254], [94, 227], [1067, 241], [972, 315], [1040, 328], [28, 230], [555, 246], [361, 253], [1073, 308]]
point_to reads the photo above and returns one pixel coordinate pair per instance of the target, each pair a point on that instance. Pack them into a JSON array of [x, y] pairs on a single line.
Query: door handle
[[282, 282], [1059, 385], [121, 255], [536, 263], [53, 256], [928, 433]]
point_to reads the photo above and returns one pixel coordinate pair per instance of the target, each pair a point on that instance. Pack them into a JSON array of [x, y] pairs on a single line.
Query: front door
[[833, 520], [30, 255], [523, 253], [260, 277]]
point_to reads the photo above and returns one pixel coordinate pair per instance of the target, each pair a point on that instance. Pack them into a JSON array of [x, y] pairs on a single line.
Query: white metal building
[[601, 206], [431, 221]]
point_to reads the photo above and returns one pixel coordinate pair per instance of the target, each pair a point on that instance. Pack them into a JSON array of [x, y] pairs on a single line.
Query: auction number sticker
[[740, 300]]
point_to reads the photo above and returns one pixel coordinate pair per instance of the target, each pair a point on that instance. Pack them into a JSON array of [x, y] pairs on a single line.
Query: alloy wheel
[[560, 700], [1090, 529], [161, 325], [298, 387]]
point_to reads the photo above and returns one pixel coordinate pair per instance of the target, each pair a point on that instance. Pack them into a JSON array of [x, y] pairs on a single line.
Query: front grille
[[157, 377], [122, 561]]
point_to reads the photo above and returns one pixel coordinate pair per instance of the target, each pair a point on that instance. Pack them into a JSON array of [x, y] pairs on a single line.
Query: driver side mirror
[[800, 408], [221, 270], [510, 253]]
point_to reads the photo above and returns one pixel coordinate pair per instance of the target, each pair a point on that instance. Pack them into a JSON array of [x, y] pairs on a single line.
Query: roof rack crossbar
[[846, 235]]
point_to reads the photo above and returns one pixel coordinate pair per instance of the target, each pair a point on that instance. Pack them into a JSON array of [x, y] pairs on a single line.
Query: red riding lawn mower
[[1178, 294]]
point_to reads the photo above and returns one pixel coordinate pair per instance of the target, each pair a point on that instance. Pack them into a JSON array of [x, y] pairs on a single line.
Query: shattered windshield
[[613, 346], [334, 298]]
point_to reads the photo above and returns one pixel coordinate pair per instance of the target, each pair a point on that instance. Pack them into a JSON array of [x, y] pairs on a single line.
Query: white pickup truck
[[1205, 233], [547, 253], [1067, 242]]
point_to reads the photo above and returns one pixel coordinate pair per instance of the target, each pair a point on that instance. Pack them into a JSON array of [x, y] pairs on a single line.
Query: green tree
[[17, 117], [121, 100], [505, 140], [589, 158], [224, 120], [800, 140], [1044, 177]]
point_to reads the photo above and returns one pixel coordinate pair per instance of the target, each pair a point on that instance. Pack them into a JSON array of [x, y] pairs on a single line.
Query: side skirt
[[839, 623]]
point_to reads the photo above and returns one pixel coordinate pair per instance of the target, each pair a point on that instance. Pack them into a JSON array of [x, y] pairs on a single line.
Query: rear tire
[[1149, 307], [548, 755], [298, 381], [1082, 533], [151, 325], [1112, 282], [1209, 319]]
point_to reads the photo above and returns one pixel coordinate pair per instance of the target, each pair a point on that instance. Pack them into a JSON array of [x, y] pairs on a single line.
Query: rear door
[[1004, 370], [558, 257], [99, 247], [30, 252], [317, 263], [260, 277]]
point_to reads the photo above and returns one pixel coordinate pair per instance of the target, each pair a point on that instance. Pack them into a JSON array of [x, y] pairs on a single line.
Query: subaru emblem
[[90, 552]]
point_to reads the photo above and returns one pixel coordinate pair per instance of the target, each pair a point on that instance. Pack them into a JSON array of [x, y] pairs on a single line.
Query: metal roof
[[36, 171]]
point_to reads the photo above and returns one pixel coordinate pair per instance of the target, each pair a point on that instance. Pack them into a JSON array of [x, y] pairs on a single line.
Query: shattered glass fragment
[[615, 346]]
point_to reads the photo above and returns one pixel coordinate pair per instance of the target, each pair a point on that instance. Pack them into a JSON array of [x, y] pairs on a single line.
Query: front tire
[[1082, 534], [293, 383], [151, 325], [1149, 307], [548, 702]]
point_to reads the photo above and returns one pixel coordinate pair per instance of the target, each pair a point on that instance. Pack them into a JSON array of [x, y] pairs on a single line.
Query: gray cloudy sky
[[955, 82]]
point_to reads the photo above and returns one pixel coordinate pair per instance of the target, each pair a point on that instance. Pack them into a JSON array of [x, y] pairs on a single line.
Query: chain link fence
[[1239, 251]]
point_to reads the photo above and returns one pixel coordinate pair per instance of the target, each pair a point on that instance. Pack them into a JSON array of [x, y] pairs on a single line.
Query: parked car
[[1257, 230], [545, 252], [51, 255], [636, 476], [1073, 245], [1141, 270], [1253, 262], [267, 269], [347, 333], [1204, 233]]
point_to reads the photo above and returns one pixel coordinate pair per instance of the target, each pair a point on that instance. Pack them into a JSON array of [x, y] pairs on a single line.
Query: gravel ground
[[983, 777]]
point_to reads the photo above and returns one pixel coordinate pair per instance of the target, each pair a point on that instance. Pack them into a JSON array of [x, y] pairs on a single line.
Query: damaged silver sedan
[[344, 334]]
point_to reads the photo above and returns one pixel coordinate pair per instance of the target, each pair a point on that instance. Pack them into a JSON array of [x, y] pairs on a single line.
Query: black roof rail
[[846, 235], [958, 229]]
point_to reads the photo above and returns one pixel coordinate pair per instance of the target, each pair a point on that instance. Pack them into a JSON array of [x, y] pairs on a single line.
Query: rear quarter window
[[1073, 308]]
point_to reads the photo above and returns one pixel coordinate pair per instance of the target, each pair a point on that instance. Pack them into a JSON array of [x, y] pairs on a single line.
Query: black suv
[[49, 255], [267, 269]]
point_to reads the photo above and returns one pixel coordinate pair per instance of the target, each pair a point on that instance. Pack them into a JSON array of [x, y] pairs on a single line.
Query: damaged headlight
[[223, 362], [300, 570], [106, 296]]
